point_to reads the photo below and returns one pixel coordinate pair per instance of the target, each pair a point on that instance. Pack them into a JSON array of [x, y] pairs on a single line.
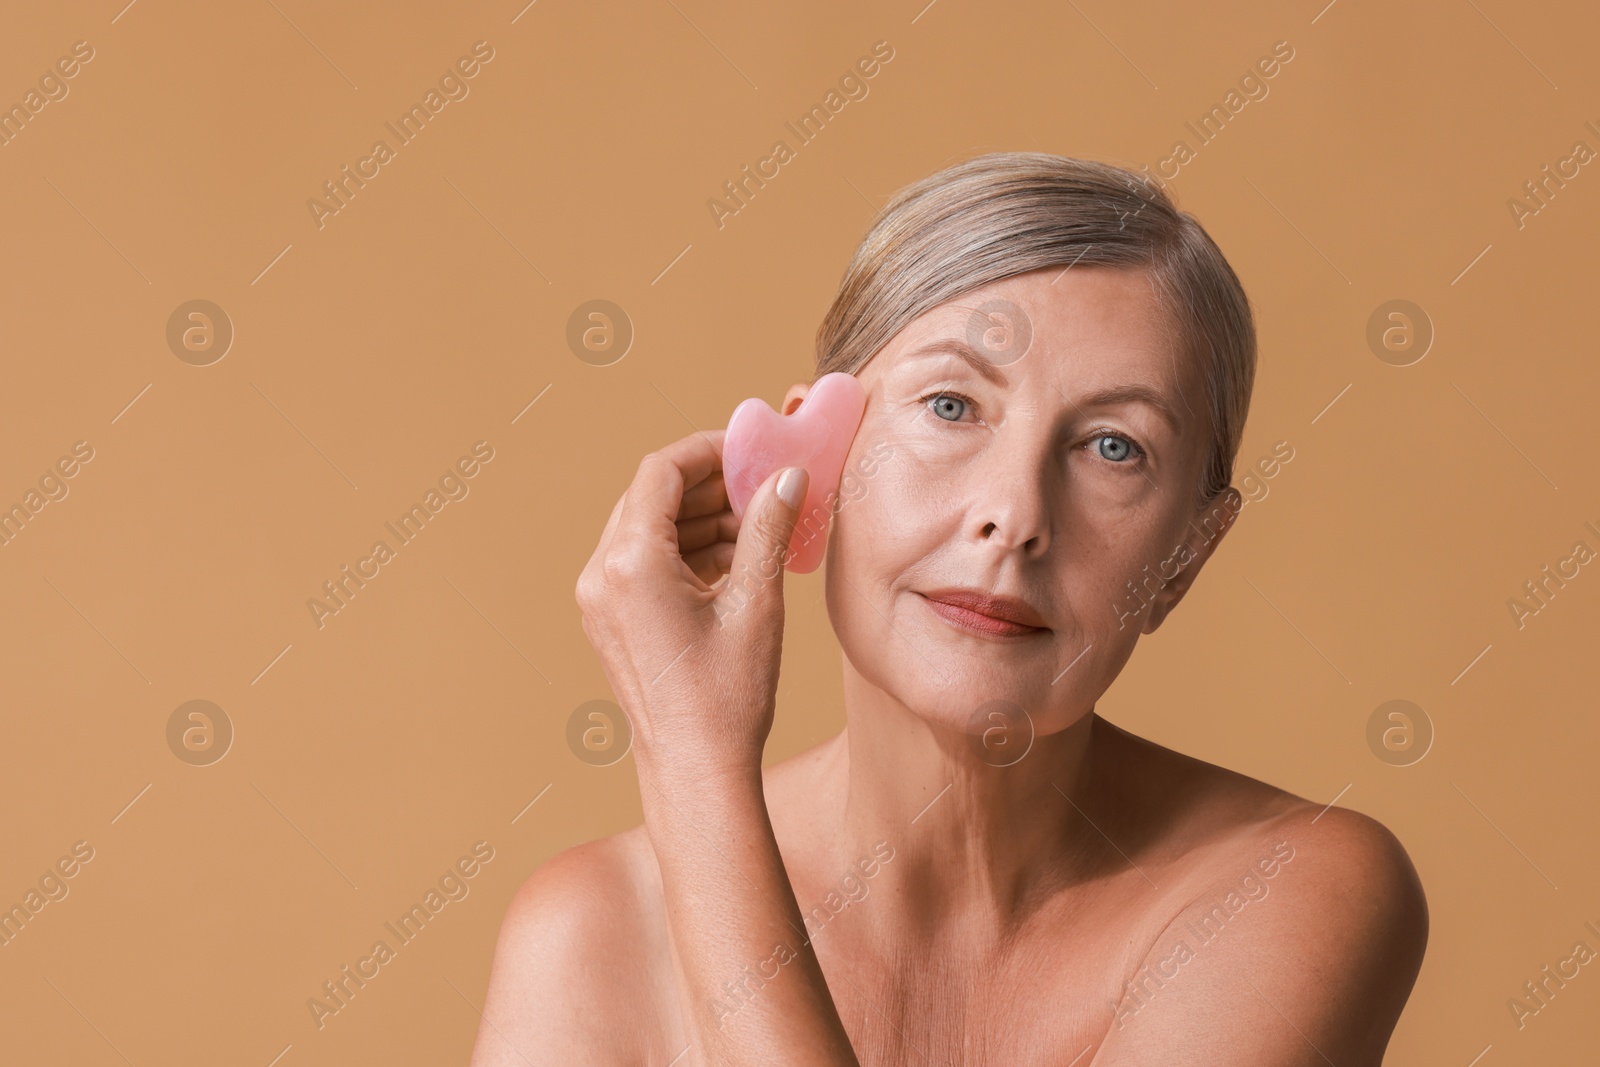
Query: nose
[[1011, 486]]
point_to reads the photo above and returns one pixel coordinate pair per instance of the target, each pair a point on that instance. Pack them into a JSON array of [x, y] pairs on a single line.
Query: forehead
[[1084, 327]]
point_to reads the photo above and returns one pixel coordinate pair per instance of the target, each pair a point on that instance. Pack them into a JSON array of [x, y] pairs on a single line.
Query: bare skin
[[1071, 895]]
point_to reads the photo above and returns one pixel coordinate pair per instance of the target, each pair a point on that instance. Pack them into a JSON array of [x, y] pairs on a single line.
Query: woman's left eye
[[1115, 448], [947, 405]]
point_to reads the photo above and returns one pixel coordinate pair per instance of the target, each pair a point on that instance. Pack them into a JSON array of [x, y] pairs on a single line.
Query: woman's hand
[[695, 668]]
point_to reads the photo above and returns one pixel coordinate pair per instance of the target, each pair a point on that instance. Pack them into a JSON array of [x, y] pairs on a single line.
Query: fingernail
[[792, 486]]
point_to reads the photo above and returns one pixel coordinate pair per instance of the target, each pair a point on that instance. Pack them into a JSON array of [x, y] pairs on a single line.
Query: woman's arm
[[696, 670], [749, 984]]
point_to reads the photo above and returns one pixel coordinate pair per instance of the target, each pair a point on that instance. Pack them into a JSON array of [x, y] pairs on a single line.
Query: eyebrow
[[1131, 392], [1134, 392], [954, 346]]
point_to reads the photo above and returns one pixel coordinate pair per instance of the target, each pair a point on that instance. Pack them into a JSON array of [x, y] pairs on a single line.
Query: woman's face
[[1056, 464]]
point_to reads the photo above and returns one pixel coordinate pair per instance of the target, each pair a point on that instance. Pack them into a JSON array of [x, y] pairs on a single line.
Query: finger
[[763, 547], [711, 562], [707, 498], [651, 505], [698, 454], [697, 533]]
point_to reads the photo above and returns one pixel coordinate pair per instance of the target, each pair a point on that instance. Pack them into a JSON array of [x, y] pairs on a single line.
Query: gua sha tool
[[817, 437]]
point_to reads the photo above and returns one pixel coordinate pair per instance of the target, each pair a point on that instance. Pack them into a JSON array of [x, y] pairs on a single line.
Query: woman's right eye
[[947, 405]]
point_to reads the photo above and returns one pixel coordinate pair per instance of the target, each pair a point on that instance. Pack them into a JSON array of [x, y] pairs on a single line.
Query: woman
[[979, 869]]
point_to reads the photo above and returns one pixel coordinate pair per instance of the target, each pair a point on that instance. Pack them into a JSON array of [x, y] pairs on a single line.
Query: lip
[[1003, 616]]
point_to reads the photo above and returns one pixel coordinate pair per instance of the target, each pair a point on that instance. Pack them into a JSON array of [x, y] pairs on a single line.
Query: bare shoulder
[[574, 951], [583, 968], [1306, 923], [1361, 898], [1216, 813], [1347, 886]]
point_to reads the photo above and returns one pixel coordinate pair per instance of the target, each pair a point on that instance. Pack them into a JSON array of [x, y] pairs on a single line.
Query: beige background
[[427, 314]]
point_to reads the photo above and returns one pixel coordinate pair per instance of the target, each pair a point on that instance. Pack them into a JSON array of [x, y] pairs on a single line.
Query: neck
[[974, 843]]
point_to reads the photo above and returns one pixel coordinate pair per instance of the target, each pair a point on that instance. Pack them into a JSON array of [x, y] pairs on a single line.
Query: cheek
[[890, 489], [1110, 563], [1144, 554], [932, 446], [873, 532], [876, 549]]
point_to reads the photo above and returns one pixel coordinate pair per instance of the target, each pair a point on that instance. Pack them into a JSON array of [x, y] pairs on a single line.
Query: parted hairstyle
[[1006, 213]]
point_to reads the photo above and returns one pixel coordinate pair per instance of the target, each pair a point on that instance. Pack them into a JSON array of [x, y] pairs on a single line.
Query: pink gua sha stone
[[817, 437]]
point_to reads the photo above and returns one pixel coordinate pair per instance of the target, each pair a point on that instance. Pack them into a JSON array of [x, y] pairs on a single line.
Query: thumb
[[762, 546]]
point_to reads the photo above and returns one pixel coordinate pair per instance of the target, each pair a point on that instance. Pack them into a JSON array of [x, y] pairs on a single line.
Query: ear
[[791, 400], [1206, 529]]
